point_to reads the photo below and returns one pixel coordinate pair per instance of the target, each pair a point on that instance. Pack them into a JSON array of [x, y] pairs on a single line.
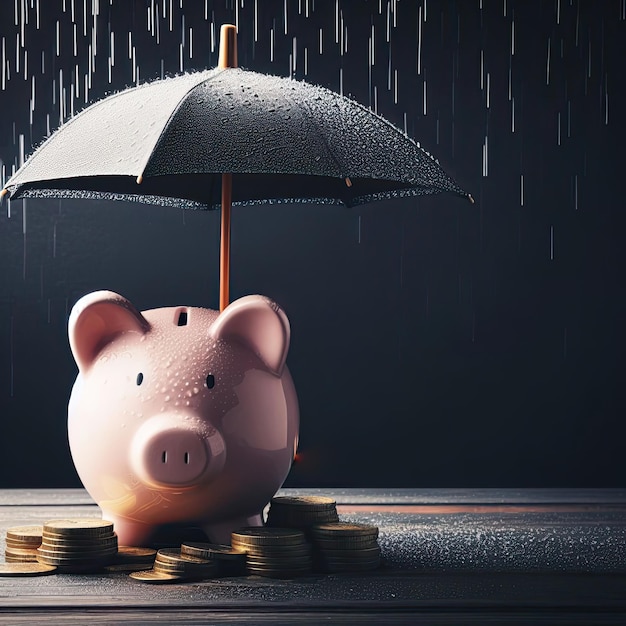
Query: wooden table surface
[[449, 557]]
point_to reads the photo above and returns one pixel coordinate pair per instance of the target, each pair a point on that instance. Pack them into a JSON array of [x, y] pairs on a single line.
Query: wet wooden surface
[[449, 557]]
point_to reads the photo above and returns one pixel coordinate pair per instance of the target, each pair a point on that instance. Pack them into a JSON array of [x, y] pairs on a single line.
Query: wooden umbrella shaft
[[228, 58], [227, 197]]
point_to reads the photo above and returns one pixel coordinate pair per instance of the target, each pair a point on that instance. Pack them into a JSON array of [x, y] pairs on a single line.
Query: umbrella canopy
[[177, 136], [229, 136]]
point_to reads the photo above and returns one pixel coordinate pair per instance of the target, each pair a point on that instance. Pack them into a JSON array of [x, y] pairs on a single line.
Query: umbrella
[[229, 136]]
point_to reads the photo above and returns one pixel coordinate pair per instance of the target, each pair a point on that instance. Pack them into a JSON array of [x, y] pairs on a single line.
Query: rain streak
[[434, 69]]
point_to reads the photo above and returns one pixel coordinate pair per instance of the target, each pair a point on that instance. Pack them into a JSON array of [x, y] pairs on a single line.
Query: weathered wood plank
[[615, 496], [444, 566]]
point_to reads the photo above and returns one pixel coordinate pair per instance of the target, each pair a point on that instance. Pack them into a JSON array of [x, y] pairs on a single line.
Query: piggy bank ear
[[97, 319], [259, 324]]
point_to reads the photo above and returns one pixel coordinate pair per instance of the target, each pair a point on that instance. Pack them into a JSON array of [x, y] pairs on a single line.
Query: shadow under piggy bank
[[181, 416]]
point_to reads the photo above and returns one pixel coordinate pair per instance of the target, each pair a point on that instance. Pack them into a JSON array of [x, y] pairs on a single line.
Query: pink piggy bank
[[181, 414]]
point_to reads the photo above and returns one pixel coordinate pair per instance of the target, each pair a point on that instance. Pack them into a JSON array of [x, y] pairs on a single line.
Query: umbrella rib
[[215, 72], [9, 184], [387, 123], [305, 109]]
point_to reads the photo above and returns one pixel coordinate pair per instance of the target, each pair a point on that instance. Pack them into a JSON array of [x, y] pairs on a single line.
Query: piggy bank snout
[[167, 451]]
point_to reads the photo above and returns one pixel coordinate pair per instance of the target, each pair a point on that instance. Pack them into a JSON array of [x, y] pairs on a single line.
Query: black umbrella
[[229, 136]]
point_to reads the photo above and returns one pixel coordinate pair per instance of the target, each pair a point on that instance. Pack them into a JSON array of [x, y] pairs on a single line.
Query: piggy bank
[[181, 414]]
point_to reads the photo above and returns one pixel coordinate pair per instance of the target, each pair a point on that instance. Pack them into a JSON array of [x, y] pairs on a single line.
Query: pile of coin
[[22, 543], [230, 561], [301, 512], [171, 565], [77, 545], [74, 545], [346, 547], [279, 550], [274, 552], [131, 559]]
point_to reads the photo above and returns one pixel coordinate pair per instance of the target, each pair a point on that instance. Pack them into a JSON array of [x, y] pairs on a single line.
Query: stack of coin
[[173, 562], [77, 545], [230, 562], [346, 547], [274, 552], [132, 559], [301, 512], [22, 543]]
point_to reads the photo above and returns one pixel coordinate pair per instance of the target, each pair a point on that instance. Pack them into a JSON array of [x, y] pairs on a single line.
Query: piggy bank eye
[[139, 378], [210, 381]]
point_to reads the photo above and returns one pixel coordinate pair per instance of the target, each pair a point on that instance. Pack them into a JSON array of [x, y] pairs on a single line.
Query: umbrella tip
[[139, 179], [469, 197], [348, 182], [228, 46]]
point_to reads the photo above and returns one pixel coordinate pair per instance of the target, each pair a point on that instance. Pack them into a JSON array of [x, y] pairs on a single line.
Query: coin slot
[[186, 458], [182, 318], [164, 456]]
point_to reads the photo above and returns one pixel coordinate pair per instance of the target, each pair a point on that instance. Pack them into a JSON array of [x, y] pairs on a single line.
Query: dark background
[[434, 342]]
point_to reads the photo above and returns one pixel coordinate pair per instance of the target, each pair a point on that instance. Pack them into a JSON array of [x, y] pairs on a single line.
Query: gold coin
[[196, 571], [20, 559], [174, 556], [282, 554], [190, 574], [278, 573], [300, 548], [27, 545], [100, 559], [135, 554], [125, 567], [25, 569], [72, 546], [279, 556], [280, 563], [364, 553], [80, 541], [95, 567], [262, 535], [344, 529], [186, 565], [22, 545], [20, 551], [212, 551], [25, 533], [345, 543], [76, 554], [155, 577], [309, 502], [79, 527], [168, 569], [301, 513], [303, 522], [203, 571]]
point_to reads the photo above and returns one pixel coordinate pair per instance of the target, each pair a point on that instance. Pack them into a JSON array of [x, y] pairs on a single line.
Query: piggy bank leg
[[220, 533], [130, 533]]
